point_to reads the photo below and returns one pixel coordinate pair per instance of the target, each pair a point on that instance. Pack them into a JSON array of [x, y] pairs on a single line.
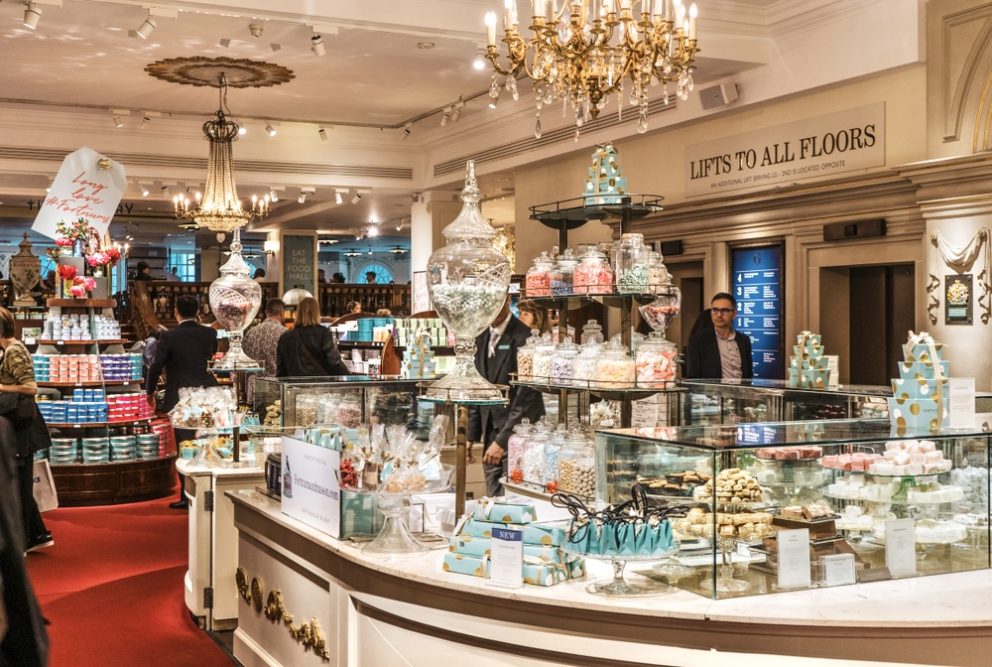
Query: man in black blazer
[[183, 353], [496, 359], [719, 351]]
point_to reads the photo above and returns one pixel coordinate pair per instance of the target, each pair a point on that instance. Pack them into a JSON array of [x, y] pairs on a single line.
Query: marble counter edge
[[190, 468], [877, 604]]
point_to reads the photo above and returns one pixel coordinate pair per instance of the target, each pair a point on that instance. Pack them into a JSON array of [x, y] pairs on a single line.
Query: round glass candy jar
[[468, 281], [525, 358], [234, 300], [537, 280], [584, 370], [551, 451], [615, 369], [562, 275], [666, 307], [592, 332], [658, 275], [533, 454], [632, 264], [657, 362], [515, 451], [577, 466], [543, 354], [594, 274], [563, 363]]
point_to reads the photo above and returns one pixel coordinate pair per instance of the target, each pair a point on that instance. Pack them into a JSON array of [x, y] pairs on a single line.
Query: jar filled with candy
[[551, 450], [563, 363], [615, 369], [525, 358], [537, 280], [658, 275], [543, 354], [632, 264], [584, 370], [562, 274], [533, 455], [515, 451], [592, 332], [594, 274], [657, 362], [577, 466]]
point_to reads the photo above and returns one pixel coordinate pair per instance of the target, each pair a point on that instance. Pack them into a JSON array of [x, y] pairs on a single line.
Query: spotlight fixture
[[445, 116], [407, 129], [32, 14], [373, 231], [271, 130], [118, 122], [275, 47], [323, 134], [478, 63], [357, 198], [225, 42], [145, 122], [146, 28], [255, 29], [352, 253], [338, 198], [242, 130], [273, 197], [456, 113], [144, 191], [317, 45]]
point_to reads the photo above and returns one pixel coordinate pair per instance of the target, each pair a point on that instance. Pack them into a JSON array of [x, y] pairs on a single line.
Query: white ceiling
[[81, 59]]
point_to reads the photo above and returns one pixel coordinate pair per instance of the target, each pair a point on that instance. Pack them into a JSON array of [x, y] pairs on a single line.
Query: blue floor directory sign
[[757, 286]]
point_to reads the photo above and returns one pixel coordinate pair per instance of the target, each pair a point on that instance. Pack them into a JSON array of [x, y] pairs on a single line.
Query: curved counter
[[404, 610]]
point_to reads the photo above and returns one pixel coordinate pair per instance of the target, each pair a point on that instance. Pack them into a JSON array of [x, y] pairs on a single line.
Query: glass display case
[[855, 502], [734, 401], [346, 401]]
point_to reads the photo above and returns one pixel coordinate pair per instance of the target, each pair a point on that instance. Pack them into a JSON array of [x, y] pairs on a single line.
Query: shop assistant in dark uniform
[[719, 351], [183, 353], [496, 359]]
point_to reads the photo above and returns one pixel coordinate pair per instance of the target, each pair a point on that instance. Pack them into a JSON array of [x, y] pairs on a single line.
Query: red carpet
[[112, 587]]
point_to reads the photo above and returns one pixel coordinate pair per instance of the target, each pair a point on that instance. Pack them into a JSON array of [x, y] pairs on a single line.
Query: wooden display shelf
[[81, 303], [116, 482], [82, 425], [80, 343], [81, 385]]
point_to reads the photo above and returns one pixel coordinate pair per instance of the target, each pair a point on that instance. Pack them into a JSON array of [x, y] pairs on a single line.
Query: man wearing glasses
[[717, 351]]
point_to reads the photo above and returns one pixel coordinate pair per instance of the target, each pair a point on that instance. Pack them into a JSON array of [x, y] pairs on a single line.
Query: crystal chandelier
[[586, 50], [219, 208]]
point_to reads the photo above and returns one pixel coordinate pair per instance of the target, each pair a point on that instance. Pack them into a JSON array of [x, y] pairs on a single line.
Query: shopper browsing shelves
[[720, 352], [309, 349]]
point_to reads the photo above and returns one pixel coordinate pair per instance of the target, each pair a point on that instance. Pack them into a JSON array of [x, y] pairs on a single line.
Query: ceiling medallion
[[238, 73]]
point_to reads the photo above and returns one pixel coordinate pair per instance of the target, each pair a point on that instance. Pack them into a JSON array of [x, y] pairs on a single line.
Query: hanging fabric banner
[[88, 185]]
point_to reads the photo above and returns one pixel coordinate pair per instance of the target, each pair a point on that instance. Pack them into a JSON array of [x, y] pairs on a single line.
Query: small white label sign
[[507, 558], [838, 569], [310, 489], [900, 547], [793, 558], [961, 402]]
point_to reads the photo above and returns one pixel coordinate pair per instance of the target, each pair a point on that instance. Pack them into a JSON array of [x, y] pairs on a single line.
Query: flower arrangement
[[68, 234], [104, 259], [67, 272], [82, 286]]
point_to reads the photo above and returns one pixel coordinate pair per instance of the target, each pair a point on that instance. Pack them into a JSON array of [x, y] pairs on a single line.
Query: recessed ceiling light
[[226, 43], [323, 134], [478, 63], [242, 130], [271, 130], [426, 46]]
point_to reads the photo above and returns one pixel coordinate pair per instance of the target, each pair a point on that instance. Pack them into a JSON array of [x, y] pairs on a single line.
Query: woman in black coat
[[308, 349]]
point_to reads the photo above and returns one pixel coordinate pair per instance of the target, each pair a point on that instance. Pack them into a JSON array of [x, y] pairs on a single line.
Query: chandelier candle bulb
[[693, 13], [491, 28]]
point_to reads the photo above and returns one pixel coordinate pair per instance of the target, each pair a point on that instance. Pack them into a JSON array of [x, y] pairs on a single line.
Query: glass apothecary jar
[[533, 455], [577, 466], [633, 259], [543, 354], [468, 281], [525, 358], [515, 451], [585, 364], [592, 332], [594, 274], [666, 307], [234, 300], [658, 275], [537, 280], [551, 451], [563, 362], [615, 369], [657, 362], [563, 274]]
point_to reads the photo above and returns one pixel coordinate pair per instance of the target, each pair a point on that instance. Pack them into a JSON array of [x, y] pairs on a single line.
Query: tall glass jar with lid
[[584, 371], [657, 362], [563, 362], [537, 280], [533, 455], [594, 274], [592, 332], [577, 466], [525, 358], [551, 450], [543, 354], [658, 275], [515, 451], [562, 275], [468, 281], [632, 264], [615, 369]]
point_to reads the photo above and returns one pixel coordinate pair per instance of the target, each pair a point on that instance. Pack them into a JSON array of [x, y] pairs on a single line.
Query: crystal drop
[[494, 89], [537, 128], [642, 124], [690, 85], [576, 135]]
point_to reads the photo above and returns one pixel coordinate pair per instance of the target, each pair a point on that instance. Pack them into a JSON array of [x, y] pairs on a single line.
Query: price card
[[507, 558], [838, 569], [900, 547], [961, 402], [793, 558]]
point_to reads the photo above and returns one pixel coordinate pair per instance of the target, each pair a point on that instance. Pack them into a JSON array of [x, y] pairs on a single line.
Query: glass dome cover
[[234, 300], [468, 280]]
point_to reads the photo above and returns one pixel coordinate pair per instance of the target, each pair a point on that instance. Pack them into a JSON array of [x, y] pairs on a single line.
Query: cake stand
[[618, 585], [394, 537]]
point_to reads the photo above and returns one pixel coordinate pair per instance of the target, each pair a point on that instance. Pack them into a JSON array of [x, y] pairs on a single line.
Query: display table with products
[[210, 591], [349, 608]]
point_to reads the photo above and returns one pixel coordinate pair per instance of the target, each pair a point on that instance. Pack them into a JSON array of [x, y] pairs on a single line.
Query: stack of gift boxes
[[920, 394], [545, 562], [87, 367], [418, 361], [808, 367], [407, 330], [88, 406]]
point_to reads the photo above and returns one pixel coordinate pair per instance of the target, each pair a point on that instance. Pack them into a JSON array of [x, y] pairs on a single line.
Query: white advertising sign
[[310, 489], [822, 146], [88, 186]]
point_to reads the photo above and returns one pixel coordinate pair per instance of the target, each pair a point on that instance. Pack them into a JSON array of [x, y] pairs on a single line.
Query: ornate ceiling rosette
[[239, 73]]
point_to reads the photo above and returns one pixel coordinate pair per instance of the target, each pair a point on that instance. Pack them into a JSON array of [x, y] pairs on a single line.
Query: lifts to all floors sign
[[88, 185]]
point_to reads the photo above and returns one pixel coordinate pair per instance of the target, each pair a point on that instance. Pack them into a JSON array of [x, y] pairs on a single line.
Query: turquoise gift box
[[920, 351], [360, 514], [917, 414], [918, 388], [552, 533], [536, 572], [911, 370], [482, 546], [487, 509]]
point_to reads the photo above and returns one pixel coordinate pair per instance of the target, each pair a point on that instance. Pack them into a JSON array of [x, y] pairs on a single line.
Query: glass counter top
[[783, 385]]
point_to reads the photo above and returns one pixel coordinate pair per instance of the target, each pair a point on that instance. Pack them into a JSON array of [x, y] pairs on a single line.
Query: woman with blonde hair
[[308, 350], [534, 316]]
